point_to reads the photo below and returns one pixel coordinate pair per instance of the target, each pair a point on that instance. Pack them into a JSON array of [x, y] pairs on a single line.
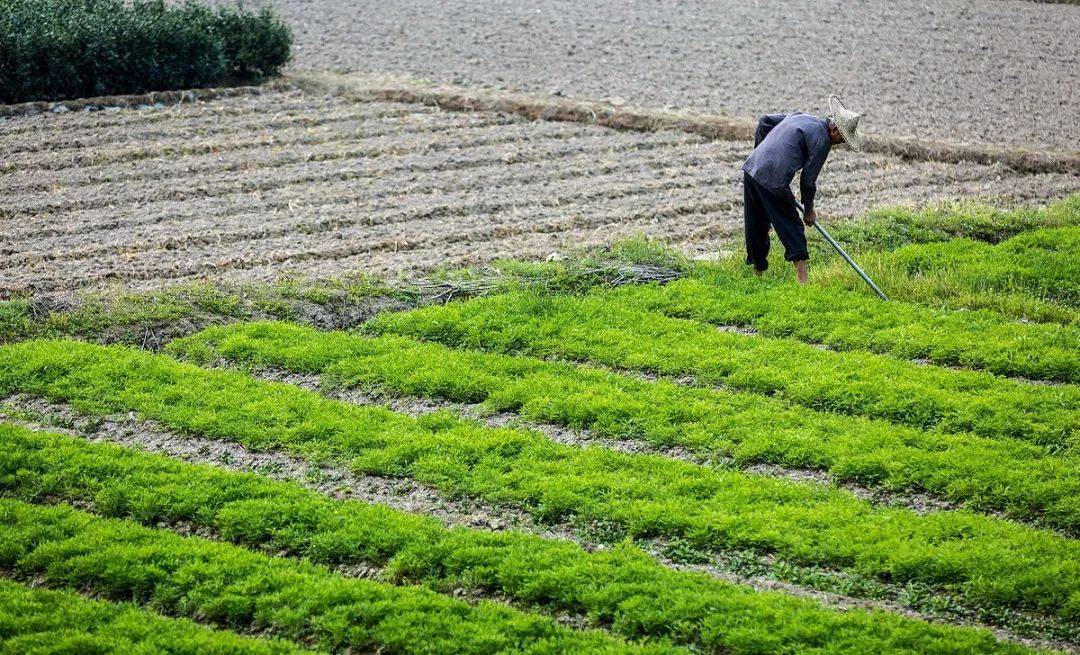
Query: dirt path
[[1000, 72]]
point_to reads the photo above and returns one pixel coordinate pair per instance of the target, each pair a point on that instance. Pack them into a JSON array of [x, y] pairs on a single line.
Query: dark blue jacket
[[785, 144]]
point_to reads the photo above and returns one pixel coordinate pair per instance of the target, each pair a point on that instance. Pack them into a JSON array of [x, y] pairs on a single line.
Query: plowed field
[[262, 186]]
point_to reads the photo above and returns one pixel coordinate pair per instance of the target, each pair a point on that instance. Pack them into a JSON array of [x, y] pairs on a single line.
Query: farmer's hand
[[809, 217]]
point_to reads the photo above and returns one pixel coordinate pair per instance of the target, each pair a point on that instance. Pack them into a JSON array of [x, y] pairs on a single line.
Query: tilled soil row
[[339, 482], [302, 163], [333, 181], [713, 126], [380, 123], [469, 205], [211, 125], [429, 234], [212, 231], [197, 113]]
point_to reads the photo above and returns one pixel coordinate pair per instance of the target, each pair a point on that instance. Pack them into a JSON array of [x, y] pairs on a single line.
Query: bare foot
[[800, 270]]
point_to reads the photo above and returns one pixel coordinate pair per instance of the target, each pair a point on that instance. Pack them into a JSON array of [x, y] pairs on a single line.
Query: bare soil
[[286, 183], [1001, 72]]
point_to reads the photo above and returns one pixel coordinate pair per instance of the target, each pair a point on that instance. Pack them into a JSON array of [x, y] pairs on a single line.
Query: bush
[[56, 49]]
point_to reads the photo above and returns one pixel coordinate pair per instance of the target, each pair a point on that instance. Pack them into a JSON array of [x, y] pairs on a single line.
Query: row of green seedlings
[[236, 589], [619, 588], [1034, 276], [988, 562], [851, 320], [1004, 475], [891, 228], [604, 329], [35, 621]]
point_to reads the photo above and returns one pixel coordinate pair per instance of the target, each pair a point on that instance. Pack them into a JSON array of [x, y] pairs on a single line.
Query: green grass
[[234, 588], [619, 587], [600, 328], [136, 318], [988, 561], [891, 228], [847, 320], [990, 474], [36, 621]]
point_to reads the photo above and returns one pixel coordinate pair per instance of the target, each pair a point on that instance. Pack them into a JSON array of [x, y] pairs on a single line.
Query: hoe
[[847, 257]]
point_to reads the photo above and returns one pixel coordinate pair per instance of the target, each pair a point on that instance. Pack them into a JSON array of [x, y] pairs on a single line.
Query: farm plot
[[713, 465], [258, 187]]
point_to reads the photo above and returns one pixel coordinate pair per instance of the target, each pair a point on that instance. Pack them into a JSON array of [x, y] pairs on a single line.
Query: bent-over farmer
[[783, 145]]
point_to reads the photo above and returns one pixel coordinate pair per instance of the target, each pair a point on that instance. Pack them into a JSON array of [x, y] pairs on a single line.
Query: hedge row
[[57, 49]]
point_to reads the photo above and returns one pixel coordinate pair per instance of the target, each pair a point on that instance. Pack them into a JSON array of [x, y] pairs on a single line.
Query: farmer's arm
[[808, 180], [765, 125]]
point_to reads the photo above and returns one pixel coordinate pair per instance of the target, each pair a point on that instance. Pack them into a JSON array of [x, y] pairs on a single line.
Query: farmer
[[784, 144]]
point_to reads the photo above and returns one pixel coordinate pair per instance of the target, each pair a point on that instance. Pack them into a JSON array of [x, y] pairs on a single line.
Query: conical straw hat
[[846, 121]]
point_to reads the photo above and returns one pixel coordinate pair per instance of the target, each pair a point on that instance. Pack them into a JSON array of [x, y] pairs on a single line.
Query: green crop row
[[1042, 263], [237, 589], [599, 328], [619, 587], [1031, 277], [990, 474], [849, 320], [989, 561], [36, 621], [891, 228]]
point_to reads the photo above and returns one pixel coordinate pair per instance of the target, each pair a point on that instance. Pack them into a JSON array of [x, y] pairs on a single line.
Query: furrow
[[302, 151], [109, 117], [291, 194], [391, 202], [396, 236], [62, 141], [434, 161], [217, 144]]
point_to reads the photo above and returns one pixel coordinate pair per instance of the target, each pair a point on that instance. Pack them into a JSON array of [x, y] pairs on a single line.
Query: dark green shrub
[[55, 49]]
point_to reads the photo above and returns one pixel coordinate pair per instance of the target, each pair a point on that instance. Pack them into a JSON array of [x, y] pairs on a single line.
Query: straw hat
[[847, 121]]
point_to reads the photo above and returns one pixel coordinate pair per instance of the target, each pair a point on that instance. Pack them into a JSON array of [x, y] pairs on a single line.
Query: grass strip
[[598, 327], [849, 320], [1013, 477], [988, 561], [238, 589], [620, 587], [36, 621], [891, 228]]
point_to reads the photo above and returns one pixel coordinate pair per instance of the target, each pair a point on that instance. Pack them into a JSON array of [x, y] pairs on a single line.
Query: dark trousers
[[762, 208]]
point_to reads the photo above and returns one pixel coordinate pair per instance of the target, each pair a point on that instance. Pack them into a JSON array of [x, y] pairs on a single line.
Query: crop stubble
[[253, 187]]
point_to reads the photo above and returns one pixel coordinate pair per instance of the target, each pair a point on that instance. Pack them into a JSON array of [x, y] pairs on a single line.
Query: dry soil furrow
[[112, 117], [417, 235], [489, 153], [221, 163], [62, 142], [220, 143], [42, 193], [390, 201]]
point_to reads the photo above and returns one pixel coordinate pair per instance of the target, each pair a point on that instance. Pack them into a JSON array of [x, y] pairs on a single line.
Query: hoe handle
[[847, 257]]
